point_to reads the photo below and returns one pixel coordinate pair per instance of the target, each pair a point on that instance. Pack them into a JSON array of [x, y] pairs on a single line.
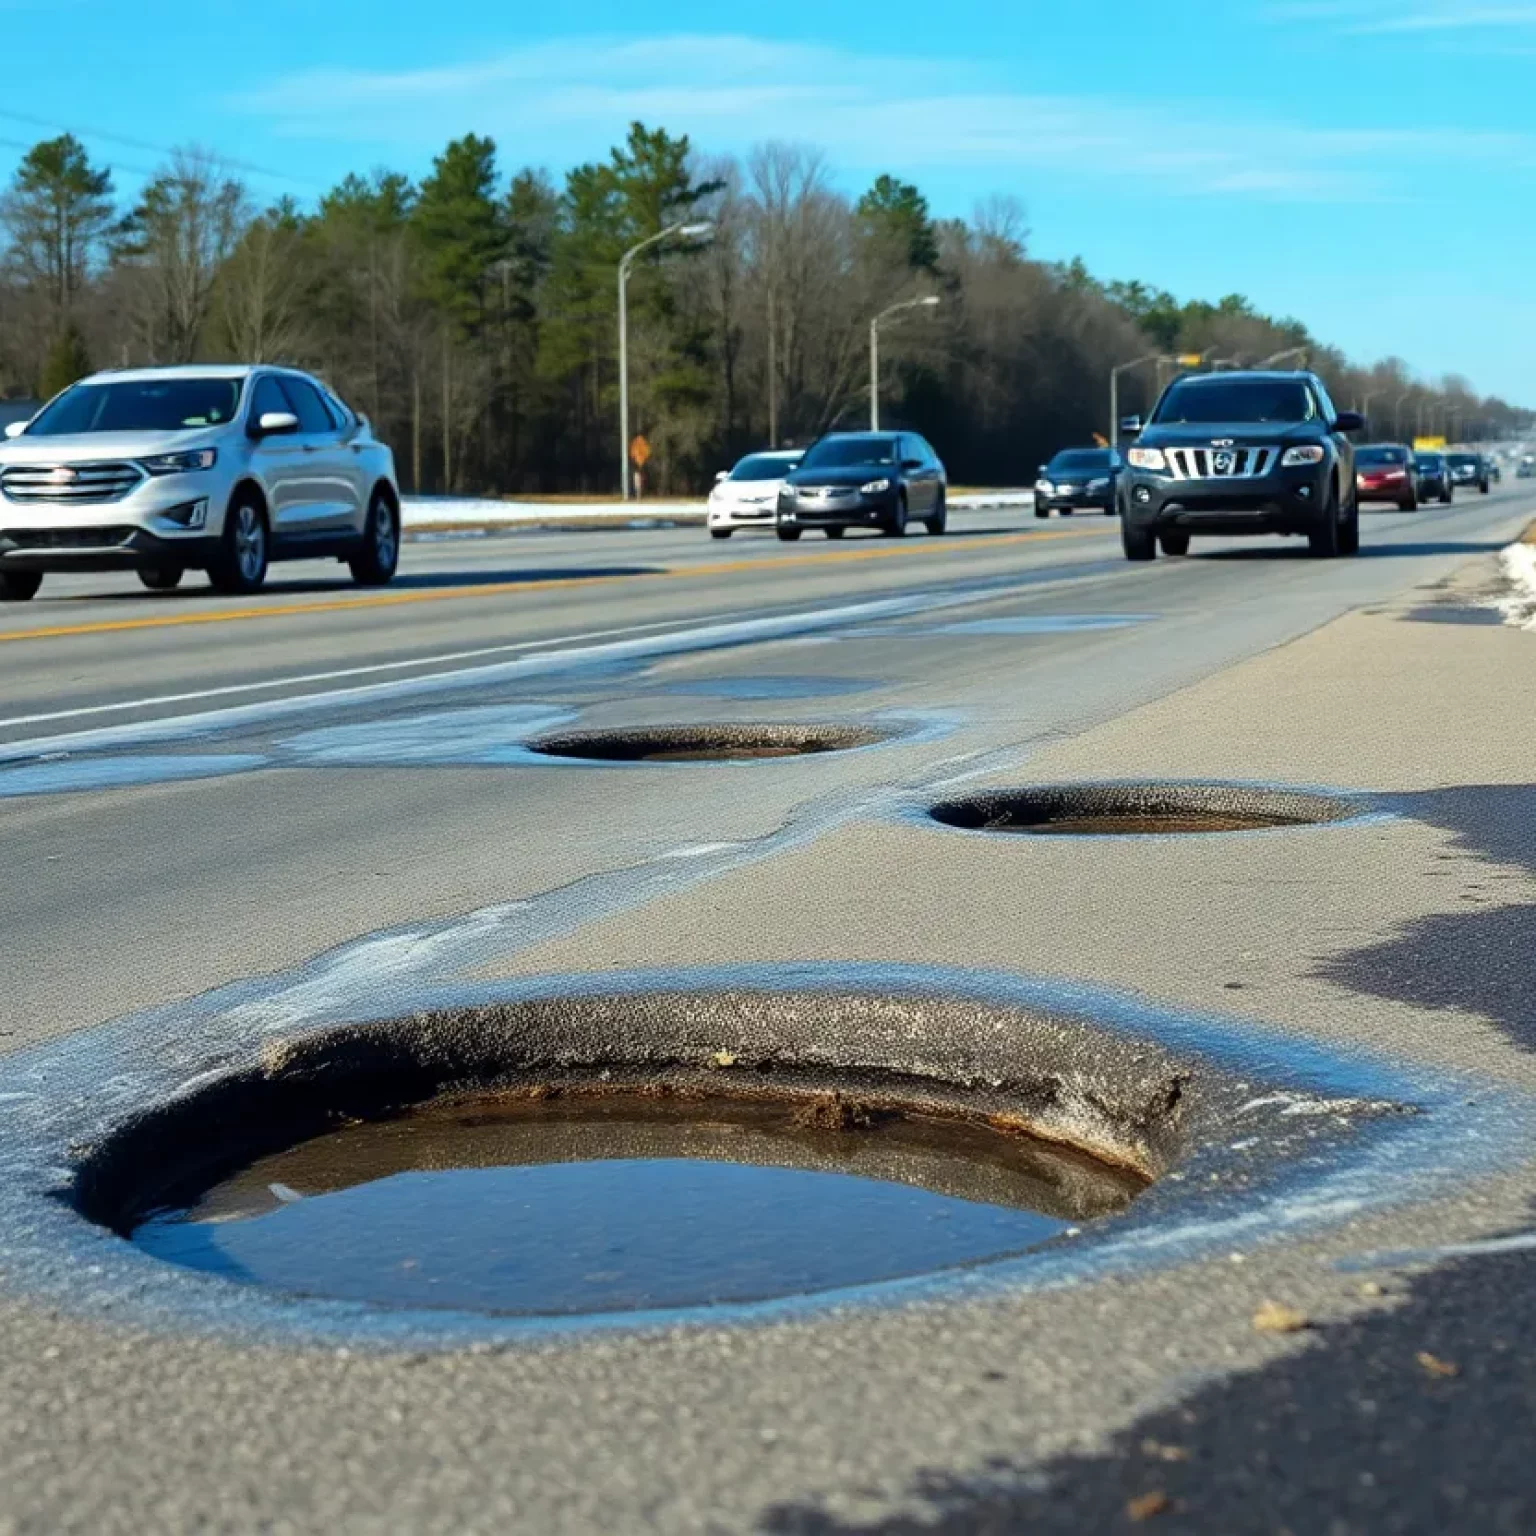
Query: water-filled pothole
[[1151, 809], [592, 1202], [722, 742]]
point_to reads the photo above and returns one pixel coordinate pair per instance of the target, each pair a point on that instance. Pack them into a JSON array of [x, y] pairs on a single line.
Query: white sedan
[[748, 496]]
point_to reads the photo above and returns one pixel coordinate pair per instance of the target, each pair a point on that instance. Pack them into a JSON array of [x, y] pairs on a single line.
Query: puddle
[[486, 734], [705, 743], [584, 1205], [1142, 810], [71, 775], [769, 687]]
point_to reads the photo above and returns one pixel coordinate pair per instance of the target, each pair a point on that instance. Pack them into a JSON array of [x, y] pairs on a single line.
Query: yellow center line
[[544, 584]]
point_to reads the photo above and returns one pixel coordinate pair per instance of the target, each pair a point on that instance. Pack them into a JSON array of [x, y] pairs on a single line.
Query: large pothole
[[1147, 809], [586, 1156], [722, 742]]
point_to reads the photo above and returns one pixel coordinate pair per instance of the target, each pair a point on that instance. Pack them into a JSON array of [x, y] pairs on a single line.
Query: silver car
[[220, 469]]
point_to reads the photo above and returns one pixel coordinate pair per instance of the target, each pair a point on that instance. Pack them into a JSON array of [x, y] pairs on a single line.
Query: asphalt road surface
[[318, 801]]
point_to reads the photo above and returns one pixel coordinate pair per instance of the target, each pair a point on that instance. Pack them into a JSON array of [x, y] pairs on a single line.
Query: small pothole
[[1145, 810], [707, 743]]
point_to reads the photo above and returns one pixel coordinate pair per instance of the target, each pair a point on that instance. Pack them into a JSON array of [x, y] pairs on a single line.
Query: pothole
[[705, 743], [587, 1204], [1150, 809], [608, 1155]]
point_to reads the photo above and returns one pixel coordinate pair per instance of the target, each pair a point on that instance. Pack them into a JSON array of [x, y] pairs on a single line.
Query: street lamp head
[[930, 301], [699, 231]]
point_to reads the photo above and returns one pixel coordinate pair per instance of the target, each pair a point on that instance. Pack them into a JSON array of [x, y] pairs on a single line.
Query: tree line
[[473, 314]]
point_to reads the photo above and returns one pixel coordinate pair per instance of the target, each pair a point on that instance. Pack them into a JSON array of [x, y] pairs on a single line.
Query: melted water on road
[[585, 1206]]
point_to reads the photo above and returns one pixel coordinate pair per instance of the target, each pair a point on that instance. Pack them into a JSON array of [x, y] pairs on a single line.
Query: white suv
[[221, 469]]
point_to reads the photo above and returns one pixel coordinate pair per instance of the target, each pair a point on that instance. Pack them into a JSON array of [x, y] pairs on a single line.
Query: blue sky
[[1366, 165]]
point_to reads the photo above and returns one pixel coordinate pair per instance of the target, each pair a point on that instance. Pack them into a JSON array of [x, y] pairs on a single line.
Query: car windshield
[[1214, 401], [846, 452], [1080, 461], [144, 405], [1431, 461], [1370, 456], [1462, 461], [762, 466]]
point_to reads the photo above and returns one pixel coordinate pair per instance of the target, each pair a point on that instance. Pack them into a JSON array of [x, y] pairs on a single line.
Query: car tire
[[1173, 543], [1482, 490], [1323, 542], [836, 533], [939, 522], [1409, 504], [161, 578], [19, 586], [719, 533], [1349, 531], [1042, 511], [378, 556], [1138, 543], [1447, 498], [240, 566], [896, 524], [787, 535]]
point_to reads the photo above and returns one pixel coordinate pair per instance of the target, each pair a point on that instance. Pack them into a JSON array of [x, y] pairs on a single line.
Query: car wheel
[[719, 533], [1409, 504], [241, 563], [940, 519], [378, 557], [1138, 543], [19, 586], [1447, 497], [1349, 531], [1174, 543], [1042, 511], [896, 523], [161, 578], [787, 535], [1482, 490], [836, 533], [1323, 541]]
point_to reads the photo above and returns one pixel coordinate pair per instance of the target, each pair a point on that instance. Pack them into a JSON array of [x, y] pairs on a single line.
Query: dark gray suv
[[1239, 453]]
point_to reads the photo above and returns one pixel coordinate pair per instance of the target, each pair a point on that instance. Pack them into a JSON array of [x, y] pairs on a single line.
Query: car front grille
[[65, 538], [68, 484], [1221, 463]]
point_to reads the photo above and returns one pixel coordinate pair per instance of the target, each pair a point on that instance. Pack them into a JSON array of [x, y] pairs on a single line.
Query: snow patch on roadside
[[1518, 605]]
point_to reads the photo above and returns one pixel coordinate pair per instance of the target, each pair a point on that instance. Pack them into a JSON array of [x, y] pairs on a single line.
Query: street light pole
[[1114, 392], [685, 231], [874, 351], [1397, 413], [1301, 352]]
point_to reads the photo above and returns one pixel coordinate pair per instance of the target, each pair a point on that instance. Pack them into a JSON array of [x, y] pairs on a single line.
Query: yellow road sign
[[639, 451]]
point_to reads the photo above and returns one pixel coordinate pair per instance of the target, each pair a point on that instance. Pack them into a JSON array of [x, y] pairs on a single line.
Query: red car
[[1384, 472]]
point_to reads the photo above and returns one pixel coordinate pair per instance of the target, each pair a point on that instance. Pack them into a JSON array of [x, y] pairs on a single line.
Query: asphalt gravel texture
[[225, 822]]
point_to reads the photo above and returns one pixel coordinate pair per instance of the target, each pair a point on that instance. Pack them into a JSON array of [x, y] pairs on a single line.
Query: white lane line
[[445, 658], [709, 636]]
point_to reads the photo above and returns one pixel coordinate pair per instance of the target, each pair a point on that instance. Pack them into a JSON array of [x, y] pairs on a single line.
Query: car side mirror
[[15, 428], [276, 424], [1130, 426], [1349, 421], [722, 474]]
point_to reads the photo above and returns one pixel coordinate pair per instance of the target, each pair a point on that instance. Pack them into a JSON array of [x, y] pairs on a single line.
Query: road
[[318, 799]]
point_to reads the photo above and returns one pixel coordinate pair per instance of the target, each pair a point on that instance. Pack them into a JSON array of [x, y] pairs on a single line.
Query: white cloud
[[1427, 18], [555, 101]]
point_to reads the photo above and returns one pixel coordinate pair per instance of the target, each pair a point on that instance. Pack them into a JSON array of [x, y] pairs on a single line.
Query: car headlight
[[180, 463], [1295, 457], [1044, 487], [1146, 458], [874, 487], [1099, 485]]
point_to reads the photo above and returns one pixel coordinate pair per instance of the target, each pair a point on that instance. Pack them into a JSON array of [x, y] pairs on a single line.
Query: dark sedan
[[879, 480], [1077, 477], [1468, 469], [1433, 476]]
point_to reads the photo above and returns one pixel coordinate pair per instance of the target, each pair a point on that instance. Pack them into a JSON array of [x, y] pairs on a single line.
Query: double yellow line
[[394, 599]]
